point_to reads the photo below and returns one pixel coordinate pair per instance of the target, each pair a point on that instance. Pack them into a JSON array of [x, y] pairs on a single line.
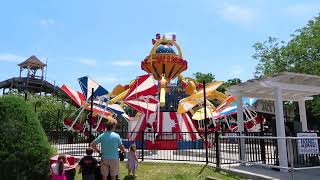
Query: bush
[[50, 112], [24, 147]]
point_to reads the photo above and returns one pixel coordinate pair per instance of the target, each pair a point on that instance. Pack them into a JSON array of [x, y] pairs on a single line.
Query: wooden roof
[[33, 62]]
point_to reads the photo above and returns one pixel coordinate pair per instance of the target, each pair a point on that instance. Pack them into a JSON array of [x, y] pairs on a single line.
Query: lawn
[[159, 171]]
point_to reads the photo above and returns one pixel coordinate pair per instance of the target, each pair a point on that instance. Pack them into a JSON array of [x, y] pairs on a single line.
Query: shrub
[[50, 112], [24, 147]]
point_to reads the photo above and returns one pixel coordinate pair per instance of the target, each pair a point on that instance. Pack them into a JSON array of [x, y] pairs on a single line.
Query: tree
[[228, 83], [24, 147], [50, 111], [200, 77], [301, 54]]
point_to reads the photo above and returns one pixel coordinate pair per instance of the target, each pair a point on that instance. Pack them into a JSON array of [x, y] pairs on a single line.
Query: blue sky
[[107, 40]]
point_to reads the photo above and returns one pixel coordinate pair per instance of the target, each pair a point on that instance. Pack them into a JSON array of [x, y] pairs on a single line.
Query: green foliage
[[228, 83], [24, 147], [301, 55], [50, 111], [200, 77]]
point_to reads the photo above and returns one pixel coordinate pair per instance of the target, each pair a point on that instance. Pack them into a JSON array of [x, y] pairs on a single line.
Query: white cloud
[[90, 62], [106, 79], [238, 14], [236, 71], [303, 10], [11, 57], [47, 22], [122, 63]]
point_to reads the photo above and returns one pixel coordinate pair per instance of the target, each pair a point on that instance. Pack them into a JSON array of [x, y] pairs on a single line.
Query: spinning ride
[[169, 106]]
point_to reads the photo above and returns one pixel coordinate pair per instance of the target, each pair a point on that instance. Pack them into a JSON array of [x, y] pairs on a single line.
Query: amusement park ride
[[172, 112]]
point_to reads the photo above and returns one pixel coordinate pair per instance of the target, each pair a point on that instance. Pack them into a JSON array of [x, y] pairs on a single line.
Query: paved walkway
[[259, 172]]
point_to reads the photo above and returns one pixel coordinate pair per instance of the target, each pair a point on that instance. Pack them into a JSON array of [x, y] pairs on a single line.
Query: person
[[58, 168], [132, 163], [110, 142], [88, 165]]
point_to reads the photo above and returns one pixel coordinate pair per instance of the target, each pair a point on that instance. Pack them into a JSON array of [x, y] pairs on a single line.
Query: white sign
[[231, 140], [308, 146], [231, 134]]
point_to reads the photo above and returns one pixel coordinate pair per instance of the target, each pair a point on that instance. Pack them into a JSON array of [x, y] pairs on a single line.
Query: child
[[132, 160], [58, 168], [88, 165]]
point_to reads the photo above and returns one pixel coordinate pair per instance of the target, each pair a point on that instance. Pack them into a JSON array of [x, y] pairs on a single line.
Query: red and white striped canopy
[[80, 100], [147, 104], [174, 123], [140, 94], [76, 96]]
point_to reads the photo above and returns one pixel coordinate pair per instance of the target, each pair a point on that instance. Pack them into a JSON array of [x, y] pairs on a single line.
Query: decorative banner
[[308, 146]]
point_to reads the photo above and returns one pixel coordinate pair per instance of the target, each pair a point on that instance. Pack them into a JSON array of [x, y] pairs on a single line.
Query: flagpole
[[90, 118], [158, 118]]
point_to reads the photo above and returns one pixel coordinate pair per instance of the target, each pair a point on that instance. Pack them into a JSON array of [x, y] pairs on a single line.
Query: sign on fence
[[308, 146], [231, 140]]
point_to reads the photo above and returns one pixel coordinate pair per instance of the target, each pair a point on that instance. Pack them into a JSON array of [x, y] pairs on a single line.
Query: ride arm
[[120, 97], [217, 95]]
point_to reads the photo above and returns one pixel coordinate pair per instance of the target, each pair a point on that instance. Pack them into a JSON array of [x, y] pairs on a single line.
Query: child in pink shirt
[[58, 168]]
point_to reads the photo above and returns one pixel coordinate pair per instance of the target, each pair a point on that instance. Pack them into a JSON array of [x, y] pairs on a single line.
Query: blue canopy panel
[[233, 107], [87, 84], [115, 108]]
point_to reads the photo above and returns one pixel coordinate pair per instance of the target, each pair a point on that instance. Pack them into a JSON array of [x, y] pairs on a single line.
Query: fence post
[[291, 158], [205, 120], [262, 145], [217, 143], [142, 146]]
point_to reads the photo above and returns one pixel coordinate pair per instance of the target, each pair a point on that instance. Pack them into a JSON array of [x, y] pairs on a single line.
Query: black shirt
[[88, 165]]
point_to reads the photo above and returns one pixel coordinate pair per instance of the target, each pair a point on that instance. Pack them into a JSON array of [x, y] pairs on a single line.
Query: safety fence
[[218, 148], [302, 152]]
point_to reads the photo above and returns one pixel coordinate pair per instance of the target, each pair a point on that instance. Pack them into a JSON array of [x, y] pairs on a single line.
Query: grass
[[161, 171]]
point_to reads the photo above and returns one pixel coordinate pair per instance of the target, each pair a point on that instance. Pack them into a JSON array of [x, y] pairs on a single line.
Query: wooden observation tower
[[31, 80]]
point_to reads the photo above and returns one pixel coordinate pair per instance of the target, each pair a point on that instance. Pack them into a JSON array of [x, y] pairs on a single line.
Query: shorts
[[111, 165]]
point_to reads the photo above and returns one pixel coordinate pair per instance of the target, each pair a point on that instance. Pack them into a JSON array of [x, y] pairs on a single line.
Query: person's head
[[61, 160], [111, 124], [133, 147], [89, 151]]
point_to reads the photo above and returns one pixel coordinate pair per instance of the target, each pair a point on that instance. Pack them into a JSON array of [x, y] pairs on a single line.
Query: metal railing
[[302, 152], [172, 146], [222, 148]]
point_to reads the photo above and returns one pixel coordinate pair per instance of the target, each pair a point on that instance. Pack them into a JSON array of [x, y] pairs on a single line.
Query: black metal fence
[[221, 148], [303, 152]]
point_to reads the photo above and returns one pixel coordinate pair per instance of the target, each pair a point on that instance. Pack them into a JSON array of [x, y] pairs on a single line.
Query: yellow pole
[[119, 97], [162, 97]]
